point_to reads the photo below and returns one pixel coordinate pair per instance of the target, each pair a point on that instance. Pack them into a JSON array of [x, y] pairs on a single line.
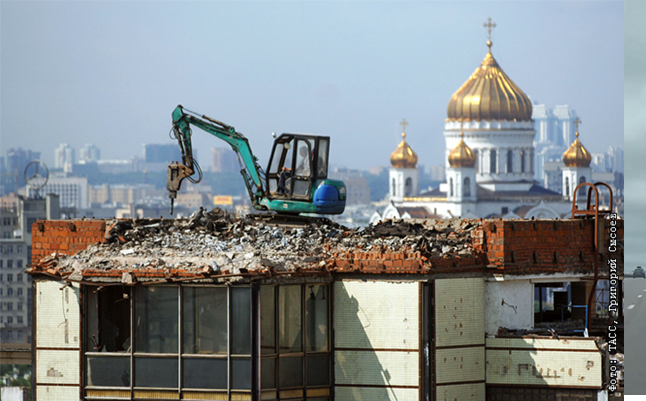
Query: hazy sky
[[110, 73]]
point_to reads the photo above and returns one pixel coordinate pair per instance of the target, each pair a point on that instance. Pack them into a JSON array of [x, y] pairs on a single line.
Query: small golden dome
[[577, 155], [403, 156], [489, 94], [462, 155]]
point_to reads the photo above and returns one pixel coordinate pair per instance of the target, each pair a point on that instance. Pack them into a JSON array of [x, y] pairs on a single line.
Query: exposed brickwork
[[513, 246], [516, 245], [65, 237]]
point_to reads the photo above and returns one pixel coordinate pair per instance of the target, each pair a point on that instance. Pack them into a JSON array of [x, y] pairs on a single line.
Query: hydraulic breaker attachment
[[174, 177]]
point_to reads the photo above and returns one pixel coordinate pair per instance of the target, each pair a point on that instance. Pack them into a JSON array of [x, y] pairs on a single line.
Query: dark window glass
[[108, 371], [205, 320], [208, 373], [241, 374], [156, 372], [466, 187], [318, 370], [108, 320], [268, 373], [289, 319], [322, 160], [291, 372], [267, 320], [241, 320], [316, 314], [156, 319]]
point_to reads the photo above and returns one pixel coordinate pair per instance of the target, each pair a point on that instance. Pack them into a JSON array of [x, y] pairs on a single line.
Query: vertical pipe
[[229, 342], [132, 343], [179, 340]]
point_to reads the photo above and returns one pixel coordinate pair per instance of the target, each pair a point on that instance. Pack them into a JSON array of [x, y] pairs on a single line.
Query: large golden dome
[[577, 155], [489, 94], [403, 156], [462, 155]]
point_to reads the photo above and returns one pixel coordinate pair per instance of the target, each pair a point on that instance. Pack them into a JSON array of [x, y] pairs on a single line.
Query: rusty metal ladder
[[593, 211]]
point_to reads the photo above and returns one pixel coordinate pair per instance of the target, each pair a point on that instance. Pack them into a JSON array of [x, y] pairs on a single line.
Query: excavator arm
[[177, 172]]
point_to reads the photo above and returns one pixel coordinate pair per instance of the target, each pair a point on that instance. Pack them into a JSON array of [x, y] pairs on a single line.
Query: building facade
[[384, 322], [16, 221]]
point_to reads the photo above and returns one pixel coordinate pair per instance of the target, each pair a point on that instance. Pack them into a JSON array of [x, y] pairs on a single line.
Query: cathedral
[[489, 158]]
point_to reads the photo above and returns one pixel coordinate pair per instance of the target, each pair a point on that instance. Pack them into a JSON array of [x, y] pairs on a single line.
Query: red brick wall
[[66, 237], [517, 246], [543, 244]]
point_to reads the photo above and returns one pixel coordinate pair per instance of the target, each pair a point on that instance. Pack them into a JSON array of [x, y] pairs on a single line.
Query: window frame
[[180, 356], [289, 392]]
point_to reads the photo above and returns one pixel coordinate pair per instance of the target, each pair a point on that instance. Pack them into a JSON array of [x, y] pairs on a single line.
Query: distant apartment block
[[161, 153], [89, 153], [437, 173], [358, 190], [17, 215], [611, 161], [72, 190], [122, 194], [224, 160], [64, 155], [555, 131]]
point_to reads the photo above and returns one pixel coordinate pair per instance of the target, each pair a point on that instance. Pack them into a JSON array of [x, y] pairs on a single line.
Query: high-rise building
[[554, 133], [616, 154], [64, 154], [16, 219], [161, 153], [13, 176], [224, 160], [89, 153]]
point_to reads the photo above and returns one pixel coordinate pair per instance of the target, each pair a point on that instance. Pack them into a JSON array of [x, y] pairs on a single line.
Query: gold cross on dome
[[404, 123], [577, 122], [489, 25]]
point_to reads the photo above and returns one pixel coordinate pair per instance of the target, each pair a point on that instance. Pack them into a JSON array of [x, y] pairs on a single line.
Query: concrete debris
[[215, 243]]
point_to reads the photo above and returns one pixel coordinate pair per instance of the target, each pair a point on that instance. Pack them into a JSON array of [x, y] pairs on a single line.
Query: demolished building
[[222, 308]]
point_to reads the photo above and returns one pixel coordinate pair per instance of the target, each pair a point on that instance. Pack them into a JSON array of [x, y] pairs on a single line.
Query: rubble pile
[[215, 243]]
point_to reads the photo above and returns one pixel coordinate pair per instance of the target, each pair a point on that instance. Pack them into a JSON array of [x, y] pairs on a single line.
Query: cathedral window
[[466, 187], [393, 192], [408, 187], [567, 186], [582, 189], [510, 161], [492, 162], [450, 186], [522, 161]]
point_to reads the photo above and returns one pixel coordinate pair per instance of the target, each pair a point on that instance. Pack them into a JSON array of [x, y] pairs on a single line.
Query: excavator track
[[290, 220]]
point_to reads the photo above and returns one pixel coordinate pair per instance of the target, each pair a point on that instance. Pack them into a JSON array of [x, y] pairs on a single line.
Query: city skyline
[[348, 70]]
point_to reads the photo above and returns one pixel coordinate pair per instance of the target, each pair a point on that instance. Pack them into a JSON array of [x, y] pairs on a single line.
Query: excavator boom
[[177, 172]]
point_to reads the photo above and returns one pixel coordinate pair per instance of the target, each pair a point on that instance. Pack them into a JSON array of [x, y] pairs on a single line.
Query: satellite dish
[[36, 175]]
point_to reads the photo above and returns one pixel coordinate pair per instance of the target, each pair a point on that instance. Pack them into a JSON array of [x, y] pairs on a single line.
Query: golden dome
[[462, 155], [577, 155], [489, 94], [403, 156]]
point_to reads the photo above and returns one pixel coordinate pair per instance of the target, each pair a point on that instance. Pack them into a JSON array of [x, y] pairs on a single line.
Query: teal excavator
[[295, 181]]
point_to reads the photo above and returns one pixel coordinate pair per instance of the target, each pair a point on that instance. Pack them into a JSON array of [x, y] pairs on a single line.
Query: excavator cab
[[298, 171], [296, 162]]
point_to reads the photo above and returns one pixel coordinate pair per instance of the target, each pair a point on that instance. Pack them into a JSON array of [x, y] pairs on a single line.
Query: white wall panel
[[57, 315]]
